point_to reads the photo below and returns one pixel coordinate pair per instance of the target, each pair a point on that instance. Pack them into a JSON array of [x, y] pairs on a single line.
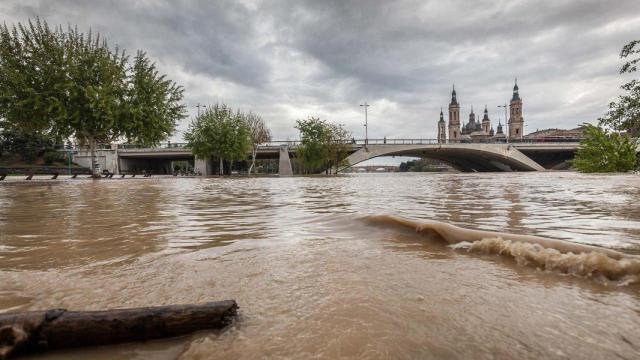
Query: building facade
[[442, 132], [454, 118], [516, 121], [479, 130]]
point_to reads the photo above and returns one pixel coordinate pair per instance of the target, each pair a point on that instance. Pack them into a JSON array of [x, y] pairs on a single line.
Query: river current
[[333, 267]]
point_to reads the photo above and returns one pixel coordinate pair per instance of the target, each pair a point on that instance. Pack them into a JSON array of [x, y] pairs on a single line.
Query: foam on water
[[546, 254]]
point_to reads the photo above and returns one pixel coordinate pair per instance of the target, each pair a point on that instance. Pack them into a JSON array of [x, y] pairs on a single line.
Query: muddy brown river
[[319, 272]]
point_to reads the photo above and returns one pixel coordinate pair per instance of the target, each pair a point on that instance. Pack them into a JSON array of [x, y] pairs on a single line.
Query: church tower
[[454, 118], [472, 119], [442, 134], [486, 123], [516, 121]]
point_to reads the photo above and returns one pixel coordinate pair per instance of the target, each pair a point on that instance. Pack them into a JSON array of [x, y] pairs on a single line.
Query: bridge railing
[[355, 142], [164, 145]]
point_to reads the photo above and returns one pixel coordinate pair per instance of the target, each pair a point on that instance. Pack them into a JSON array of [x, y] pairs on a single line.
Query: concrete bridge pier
[[284, 164], [203, 166]]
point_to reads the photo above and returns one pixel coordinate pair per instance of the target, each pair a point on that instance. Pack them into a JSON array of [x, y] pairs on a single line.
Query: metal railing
[[355, 142], [164, 145]]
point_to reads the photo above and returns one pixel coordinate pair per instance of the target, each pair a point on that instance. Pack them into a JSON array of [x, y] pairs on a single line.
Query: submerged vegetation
[[219, 132], [227, 135], [419, 165], [601, 151], [323, 146]]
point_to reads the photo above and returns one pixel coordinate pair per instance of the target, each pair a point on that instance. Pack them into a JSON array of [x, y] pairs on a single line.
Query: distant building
[[442, 135], [516, 121], [481, 129], [454, 118], [557, 133]]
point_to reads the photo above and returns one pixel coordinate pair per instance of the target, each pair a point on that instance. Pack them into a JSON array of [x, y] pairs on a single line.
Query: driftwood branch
[[37, 331]]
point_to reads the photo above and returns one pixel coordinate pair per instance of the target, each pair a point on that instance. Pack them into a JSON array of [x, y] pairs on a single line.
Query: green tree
[[70, 84], [219, 132], [624, 114], [323, 145], [337, 146], [311, 151], [602, 152], [27, 147]]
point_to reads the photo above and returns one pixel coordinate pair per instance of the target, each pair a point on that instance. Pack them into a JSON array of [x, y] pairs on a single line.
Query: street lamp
[[366, 124], [506, 122], [200, 106]]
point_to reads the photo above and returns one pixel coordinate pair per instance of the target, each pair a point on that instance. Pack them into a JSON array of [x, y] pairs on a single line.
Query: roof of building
[[577, 132]]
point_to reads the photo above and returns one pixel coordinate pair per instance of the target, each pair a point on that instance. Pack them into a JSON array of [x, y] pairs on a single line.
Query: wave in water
[[547, 254]]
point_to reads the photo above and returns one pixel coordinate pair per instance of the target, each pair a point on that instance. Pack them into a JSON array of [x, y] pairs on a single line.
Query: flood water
[[316, 276]]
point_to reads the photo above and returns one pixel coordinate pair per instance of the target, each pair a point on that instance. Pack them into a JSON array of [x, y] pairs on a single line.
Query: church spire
[[516, 95], [453, 95]]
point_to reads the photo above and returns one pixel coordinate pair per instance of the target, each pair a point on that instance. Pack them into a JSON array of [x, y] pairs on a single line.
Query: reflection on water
[[312, 278]]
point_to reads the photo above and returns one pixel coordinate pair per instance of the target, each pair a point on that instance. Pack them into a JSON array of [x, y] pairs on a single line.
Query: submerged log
[[37, 331]]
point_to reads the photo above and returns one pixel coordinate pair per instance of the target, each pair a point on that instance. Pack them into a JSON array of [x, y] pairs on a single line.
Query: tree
[[337, 146], [601, 152], [219, 132], [624, 114], [68, 84], [323, 145], [28, 147], [258, 134], [311, 149]]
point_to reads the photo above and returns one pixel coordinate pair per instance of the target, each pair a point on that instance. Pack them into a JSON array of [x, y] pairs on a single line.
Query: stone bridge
[[469, 157], [463, 157]]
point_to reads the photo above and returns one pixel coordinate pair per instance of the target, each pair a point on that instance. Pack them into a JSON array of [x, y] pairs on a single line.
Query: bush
[[51, 157], [601, 152]]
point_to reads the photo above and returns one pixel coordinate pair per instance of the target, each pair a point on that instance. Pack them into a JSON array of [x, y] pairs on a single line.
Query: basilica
[[480, 130]]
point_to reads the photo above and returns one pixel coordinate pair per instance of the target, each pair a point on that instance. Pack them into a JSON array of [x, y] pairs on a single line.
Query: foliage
[[65, 83], [52, 156], [219, 132], [624, 114], [311, 149], [337, 145], [323, 145], [27, 146], [601, 152], [154, 104], [258, 134], [419, 165]]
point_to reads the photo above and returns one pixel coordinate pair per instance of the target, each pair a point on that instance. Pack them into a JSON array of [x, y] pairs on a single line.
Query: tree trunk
[[253, 159], [92, 145], [221, 167], [37, 331]]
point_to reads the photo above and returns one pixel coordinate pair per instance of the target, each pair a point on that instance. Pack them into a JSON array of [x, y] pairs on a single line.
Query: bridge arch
[[464, 157]]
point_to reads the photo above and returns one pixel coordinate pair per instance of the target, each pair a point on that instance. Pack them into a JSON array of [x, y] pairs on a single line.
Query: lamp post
[[506, 122], [199, 106], [366, 124]]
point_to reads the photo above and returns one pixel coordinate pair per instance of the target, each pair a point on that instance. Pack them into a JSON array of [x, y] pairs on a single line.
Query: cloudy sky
[[290, 59]]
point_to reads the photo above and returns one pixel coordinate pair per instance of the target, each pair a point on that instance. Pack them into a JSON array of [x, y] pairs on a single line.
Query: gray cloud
[[290, 59]]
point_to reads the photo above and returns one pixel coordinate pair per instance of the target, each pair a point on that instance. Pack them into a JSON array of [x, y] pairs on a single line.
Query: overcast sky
[[287, 60]]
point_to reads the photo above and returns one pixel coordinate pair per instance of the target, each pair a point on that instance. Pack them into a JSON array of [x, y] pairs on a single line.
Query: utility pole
[[506, 122], [366, 124]]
